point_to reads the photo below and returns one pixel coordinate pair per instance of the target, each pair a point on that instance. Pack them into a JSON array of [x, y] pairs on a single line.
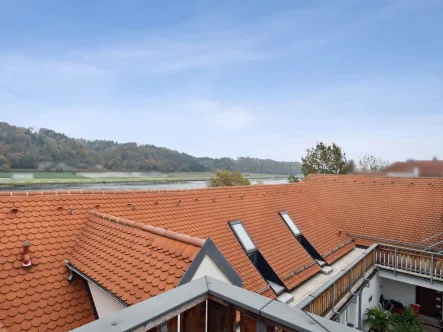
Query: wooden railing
[[397, 259], [410, 261], [341, 285]]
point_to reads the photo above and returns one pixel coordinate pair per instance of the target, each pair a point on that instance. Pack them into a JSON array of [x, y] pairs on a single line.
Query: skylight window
[[288, 221], [243, 236]]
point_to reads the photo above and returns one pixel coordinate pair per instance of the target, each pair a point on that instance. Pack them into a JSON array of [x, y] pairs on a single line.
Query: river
[[129, 186]]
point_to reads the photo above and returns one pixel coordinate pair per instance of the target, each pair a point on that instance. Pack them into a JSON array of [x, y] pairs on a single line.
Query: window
[[254, 254], [302, 240], [243, 236], [288, 221]]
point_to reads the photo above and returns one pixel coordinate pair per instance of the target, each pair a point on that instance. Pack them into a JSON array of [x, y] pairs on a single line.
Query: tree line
[[321, 159], [25, 148], [330, 159]]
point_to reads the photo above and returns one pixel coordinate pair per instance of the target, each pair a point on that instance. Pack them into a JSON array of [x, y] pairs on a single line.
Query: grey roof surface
[[153, 309]]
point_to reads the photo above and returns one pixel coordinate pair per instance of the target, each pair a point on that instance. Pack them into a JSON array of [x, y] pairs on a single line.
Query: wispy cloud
[[233, 119], [205, 83], [32, 66], [223, 43]]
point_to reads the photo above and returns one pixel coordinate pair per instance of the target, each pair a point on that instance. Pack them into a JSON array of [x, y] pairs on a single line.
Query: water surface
[[129, 186]]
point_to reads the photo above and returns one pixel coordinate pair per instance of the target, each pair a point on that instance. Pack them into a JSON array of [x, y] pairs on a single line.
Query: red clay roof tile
[[352, 203], [102, 230], [401, 209]]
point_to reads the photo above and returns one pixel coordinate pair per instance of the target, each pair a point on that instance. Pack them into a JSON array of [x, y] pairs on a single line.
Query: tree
[[3, 160], [25, 148], [5, 168], [377, 319], [293, 179], [324, 160], [369, 163], [225, 178], [350, 167]]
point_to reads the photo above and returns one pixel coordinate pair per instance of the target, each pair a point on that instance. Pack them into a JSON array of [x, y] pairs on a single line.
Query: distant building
[[416, 168]]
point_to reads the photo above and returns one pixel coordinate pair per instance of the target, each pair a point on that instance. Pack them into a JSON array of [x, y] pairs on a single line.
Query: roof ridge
[[134, 191], [152, 229]]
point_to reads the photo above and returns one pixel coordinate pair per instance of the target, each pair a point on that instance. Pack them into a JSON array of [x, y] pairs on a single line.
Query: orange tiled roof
[[133, 261], [52, 221], [401, 209], [39, 297]]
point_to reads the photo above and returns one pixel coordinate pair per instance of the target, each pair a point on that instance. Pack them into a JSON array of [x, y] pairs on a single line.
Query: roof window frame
[[281, 213], [239, 222]]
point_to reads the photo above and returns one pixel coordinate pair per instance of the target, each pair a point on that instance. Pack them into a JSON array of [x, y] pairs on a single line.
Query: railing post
[[364, 266], [334, 295], [350, 279], [432, 268], [395, 261]]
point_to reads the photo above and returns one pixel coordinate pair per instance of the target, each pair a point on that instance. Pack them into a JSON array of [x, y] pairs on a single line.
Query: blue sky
[[254, 78]]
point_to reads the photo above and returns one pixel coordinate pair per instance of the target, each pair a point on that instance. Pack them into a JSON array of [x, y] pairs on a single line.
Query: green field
[[6, 179], [45, 175]]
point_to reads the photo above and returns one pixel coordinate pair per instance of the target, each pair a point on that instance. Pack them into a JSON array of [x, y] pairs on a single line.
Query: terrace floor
[[430, 320], [319, 279]]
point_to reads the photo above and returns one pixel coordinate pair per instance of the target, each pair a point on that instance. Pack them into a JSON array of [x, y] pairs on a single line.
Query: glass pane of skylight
[[244, 237], [290, 223]]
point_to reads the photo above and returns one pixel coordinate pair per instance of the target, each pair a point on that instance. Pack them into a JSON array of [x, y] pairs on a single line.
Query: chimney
[[26, 260]]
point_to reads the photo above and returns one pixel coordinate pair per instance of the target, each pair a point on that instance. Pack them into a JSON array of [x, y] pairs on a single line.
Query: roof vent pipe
[[26, 260]]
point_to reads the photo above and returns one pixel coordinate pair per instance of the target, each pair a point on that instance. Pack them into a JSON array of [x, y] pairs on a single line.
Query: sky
[[256, 78]]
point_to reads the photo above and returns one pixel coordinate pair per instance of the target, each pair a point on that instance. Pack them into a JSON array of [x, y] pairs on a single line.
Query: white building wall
[[370, 297], [343, 317], [209, 268], [415, 173], [104, 304], [399, 291], [352, 313]]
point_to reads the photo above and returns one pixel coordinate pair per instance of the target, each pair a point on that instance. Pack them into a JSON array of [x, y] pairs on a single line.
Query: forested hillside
[[23, 148]]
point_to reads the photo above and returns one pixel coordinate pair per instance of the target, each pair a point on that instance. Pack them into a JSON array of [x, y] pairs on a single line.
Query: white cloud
[[122, 90], [232, 119], [30, 66]]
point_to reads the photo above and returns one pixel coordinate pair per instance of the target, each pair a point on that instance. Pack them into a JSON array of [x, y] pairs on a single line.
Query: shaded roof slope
[[39, 298], [315, 224], [401, 209], [133, 261]]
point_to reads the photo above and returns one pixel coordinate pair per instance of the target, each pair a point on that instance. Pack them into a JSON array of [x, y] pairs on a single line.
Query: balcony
[[208, 304], [330, 298], [419, 263]]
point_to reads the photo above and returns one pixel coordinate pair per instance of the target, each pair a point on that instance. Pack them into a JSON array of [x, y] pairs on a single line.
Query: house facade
[[416, 168]]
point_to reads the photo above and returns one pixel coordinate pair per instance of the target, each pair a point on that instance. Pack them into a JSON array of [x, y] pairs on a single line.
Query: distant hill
[[23, 148]]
